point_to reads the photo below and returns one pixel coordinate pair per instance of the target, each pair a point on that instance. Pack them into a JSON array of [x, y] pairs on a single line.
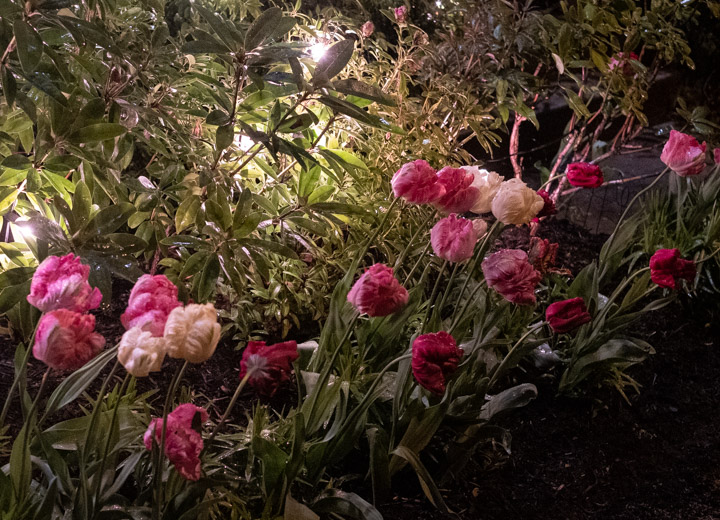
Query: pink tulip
[[683, 154], [435, 357], [66, 340], [151, 301], [183, 444], [269, 365], [417, 183], [510, 274], [459, 195], [377, 292], [400, 14], [454, 238], [61, 282]]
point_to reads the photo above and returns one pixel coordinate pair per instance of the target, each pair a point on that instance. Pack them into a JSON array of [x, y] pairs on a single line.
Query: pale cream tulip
[[487, 183], [192, 332], [516, 203], [140, 352]]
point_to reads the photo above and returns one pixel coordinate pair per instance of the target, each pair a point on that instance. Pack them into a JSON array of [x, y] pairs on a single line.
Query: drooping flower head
[[61, 282], [435, 358], [487, 183], [667, 268], [548, 204], [66, 340], [454, 238], [192, 332], [150, 303], [683, 154], [269, 365], [140, 352], [417, 183], [567, 315], [183, 443], [584, 175], [542, 254], [515, 203], [459, 195], [510, 274], [377, 292]]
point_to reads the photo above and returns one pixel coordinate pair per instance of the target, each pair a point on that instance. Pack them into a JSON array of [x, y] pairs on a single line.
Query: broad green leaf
[[208, 278], [224, 137], [333, 61], [353, 87], [77, 382], [82, 203], [108, 220], [426, 482], [348, 505], [186, 212], [271, 24], [29, 45], [16, 162], [273, 247], [98, 132]]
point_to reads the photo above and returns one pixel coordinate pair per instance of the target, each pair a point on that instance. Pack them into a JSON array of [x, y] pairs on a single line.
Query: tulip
[[666, 268], [377, 292], [567, 315], [516, 203], [192, 332], [268, 365], [584, 175], [140, 352], [435, 358], [459, 195], [400, 14], [548, 205], [66, 340], [511, 275], [61, 282], [453, 239], [150, 303], [683, 154], [183, 444], [417, 183], [487, 183]]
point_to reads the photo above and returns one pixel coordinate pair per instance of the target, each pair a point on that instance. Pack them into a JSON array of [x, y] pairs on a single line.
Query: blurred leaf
[[98, 132], [29, 45]]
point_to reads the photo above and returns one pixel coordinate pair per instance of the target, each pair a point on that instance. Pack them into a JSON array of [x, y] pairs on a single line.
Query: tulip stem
[[449, 286], [433, 296], [157, 473], [16, 380], [698, 262], [99, 478], [420, 229], [476, 258], [29, 427], [230, 406], [471, 298], [503, 364], [417, 264], [627, 209]]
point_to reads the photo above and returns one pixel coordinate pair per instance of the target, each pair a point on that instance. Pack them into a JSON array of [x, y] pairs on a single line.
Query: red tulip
[[269, 365], [666, 268], [548, 205], [417, 183], [567, 315], [434, 358], [584, 175]]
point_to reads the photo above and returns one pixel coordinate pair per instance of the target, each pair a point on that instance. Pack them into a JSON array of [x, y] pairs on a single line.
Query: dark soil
[[654, 457]]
